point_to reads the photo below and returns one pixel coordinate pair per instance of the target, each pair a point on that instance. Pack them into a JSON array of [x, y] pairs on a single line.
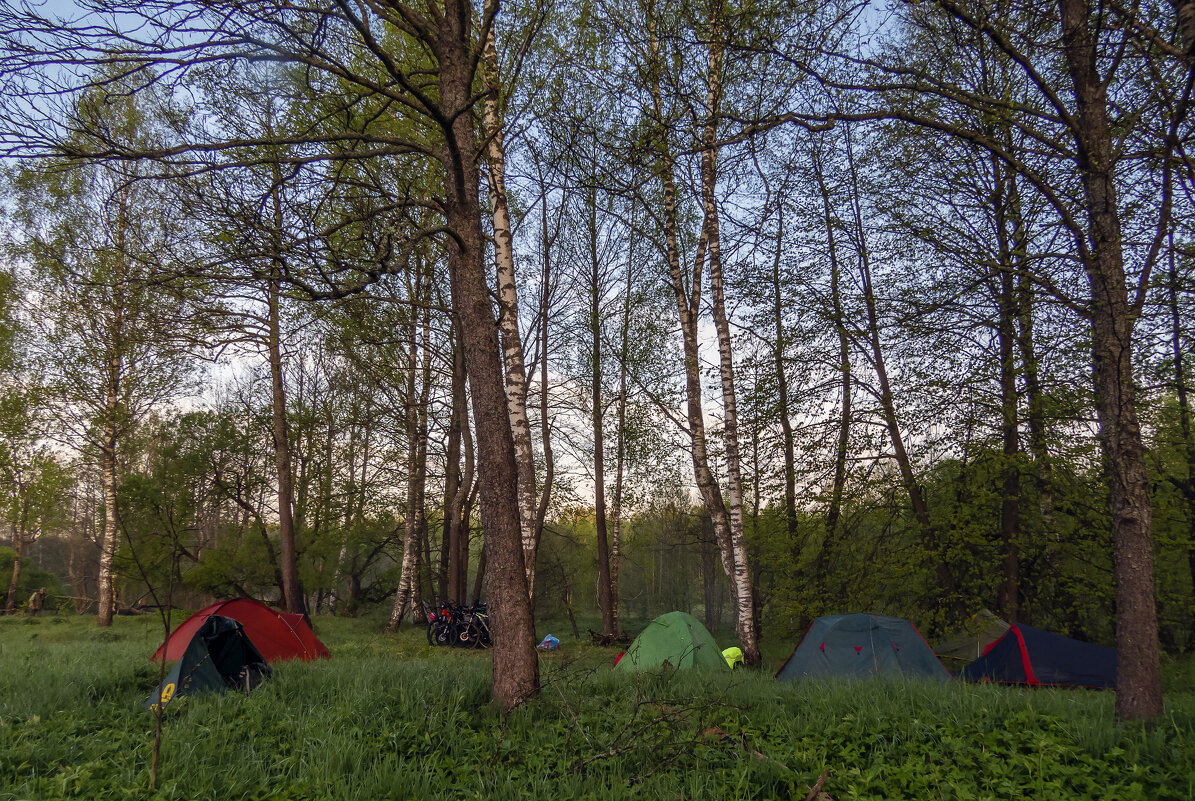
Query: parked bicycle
[[459, 626], [439, 624], [473, 627]]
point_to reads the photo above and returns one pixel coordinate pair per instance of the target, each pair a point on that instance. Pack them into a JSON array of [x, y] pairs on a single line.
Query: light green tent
[[676, 638]]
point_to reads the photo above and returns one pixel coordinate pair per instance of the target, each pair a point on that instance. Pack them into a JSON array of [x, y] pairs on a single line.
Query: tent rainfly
[[862, 646], [277, 635], [677, 639], [1026, 655]]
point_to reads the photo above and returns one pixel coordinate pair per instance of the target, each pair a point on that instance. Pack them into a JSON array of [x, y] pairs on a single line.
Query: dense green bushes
[[389, 717]]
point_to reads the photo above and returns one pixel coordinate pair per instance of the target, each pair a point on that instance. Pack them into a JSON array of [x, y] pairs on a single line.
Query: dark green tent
[[675, 638], [862, 646], [220, 656], [971, 639]]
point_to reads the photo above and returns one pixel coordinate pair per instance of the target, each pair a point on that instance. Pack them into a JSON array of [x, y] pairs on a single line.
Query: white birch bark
[[406, 582], [508, 316], [416, 430], [107, 595], [688, 307], [741, 580], [620, 447], [113, 380]]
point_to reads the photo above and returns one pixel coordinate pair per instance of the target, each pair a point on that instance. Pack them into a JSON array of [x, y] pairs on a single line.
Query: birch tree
[[430, 85], [1077, 97], [508, 300], [108, 333]]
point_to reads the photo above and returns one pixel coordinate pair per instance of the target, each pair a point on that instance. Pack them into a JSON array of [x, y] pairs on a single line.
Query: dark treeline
[[760, 310]]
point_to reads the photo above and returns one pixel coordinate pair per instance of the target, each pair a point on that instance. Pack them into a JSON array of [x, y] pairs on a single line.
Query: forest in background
[[802, 309]]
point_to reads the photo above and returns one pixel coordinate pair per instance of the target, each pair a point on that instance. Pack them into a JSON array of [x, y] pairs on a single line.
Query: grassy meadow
[[388, 717]]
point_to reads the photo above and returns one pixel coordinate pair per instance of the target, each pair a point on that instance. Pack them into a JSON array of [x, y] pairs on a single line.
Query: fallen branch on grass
[[815, 792], [608, 639]]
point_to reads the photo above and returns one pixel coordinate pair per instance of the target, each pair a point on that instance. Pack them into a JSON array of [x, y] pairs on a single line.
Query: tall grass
[[390, 717]]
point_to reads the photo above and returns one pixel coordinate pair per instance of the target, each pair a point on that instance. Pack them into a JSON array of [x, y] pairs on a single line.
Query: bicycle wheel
[[439, 633], [468, 635]]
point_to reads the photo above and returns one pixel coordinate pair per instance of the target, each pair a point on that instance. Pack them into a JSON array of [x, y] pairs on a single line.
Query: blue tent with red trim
[[862, 646], [1026, 655]]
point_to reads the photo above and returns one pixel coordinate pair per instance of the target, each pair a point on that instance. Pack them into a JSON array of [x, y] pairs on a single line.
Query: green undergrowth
[[391, 718]]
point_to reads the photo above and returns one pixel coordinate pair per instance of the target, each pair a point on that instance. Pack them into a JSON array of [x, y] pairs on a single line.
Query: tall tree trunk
[[508, 305], [1035, 414], [82, 593], [621, 442], [466, 498], [18, 542], [516, 669], [415, 423], [788, 439], [113, 410], [688, 304], [741, 583], [421, 589], [710, 599], [19, 521], [605, 598], [408, 574], [844, 365], [292, 588], [1007, 598], [422, 404], [107, 599], [10, 599], [1139, 683], [301, 452], [913, 489], [1181, 391], [479, 577], [545, 424], [454, 492], [349, 607]]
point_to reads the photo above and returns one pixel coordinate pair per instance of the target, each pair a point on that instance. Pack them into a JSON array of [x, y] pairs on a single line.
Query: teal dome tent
[[862, 646]]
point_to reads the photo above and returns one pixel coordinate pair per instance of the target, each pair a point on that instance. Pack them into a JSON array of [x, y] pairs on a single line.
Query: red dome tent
[[277, 635]]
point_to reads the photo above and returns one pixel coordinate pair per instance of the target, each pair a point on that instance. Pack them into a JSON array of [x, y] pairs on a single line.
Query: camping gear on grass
[[549, 643], [277, 635], [219, 656], [677, 639], [733, 656], [1025, 655], [862, 646]]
